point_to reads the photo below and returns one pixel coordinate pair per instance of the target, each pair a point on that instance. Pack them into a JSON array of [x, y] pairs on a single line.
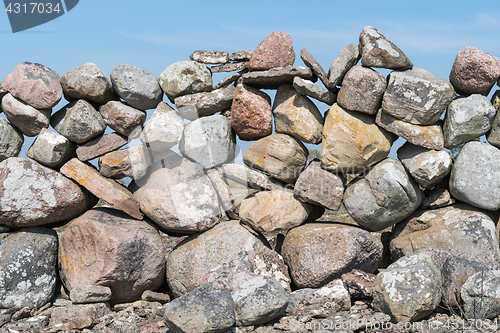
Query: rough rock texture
[[360, 282], [26, 118], [352, 142], [224, 193], [481, 296], [308, 88], [105, 247], [279, 155], [274, 51], [409, 290], [494, 135], [250, 178], [33, 195], [310, 62], [226, 256], [231, 67], [71, 313], [87, 82], [306, 249], [28, 269], [51, 149], [11, 140], [100, 146], [347, 57], [437, 198], [241, 55], [35, 84], [210, 57], [230, 79], [184, 78], [90, 294], [131, 162], [203, 104], [273, 78], [362, 90], [378, 51], [416, 96], [123, 118], [384, 197], [163, 130]]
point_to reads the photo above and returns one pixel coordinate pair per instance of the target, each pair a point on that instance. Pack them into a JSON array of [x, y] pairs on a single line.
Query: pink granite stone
[[274, 51]]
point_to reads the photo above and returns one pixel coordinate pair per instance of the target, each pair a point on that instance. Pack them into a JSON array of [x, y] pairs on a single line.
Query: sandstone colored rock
[[480, 295], [241, 55], [11, 140], [87, 82], [231, 67], [310, 62], [184, 78], [250, 178], [163, 130], [347, 57], [274, 51], [26, 118], [51, 149], [210, 57], [90, 294], [273, 78], [307, 88], [224, 193], [203, 104], [437, 198], [100, 146], [73, 313], [123, 118], [131, 162]]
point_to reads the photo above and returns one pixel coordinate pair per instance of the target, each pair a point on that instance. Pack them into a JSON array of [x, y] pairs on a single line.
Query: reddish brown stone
[[359, 281], [274, 51], [122, 118], [474, 71], [100, 146]]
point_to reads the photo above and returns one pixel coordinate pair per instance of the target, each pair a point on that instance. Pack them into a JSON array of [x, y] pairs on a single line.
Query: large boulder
[[184, 78], [87, 82], [163, 130], [26, 118], [274, 51], [11, 140]]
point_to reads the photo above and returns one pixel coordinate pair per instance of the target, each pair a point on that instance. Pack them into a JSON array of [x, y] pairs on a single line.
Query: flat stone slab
[[231, 67], [210, 57], [273, 78], [100, 146], [204, 104], [306, 87]]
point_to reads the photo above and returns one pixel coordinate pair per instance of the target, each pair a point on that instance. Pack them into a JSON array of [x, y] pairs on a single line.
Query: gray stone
[[90, 294], [308, 88], [224, 193], [51, 149], [163, 130], [310, 62], [100, 146], [409, 289], [210, 57], [230, 79], [250, 178], [137, 86], [26, 118], [437, 198], [205, 309], [87, 82], [131, 162], [231, 67], [347, 57], [184, 78], [274, 77], [204, 104], [296, 297], [151, 296], [384, 197], [241, 55], [466, 119], [494, 135], [481, 295], [335, 292], [11, 140], [65, 314], [123, 118]]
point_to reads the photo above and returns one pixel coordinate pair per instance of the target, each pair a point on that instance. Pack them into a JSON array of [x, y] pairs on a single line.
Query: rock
[[210, 57], [33, 195], [137, 86], [132, 162], [78, 121], [319, 187], [346, 59], [204, 104], [179, 198], [439, 257], [152, 296], [106, 247], [359, 281], [279, 155], [458, 227], [430, 137], [90, 294], [275, 77], [307, 247], [307, 88], [362, 90], [474, 71], [251, 114], [232, 67], [67, 314], [34, 84], [224, 193], [230, 79], [310, 62], [241, 55], [3, 92], [259, 300], [100, 146], [250, 178], [409, 289], [101, 187], [494, 135], [184, 78], [466, 119], [87, 82], [274, 51], [297, 116], [480, 295], [163, 130], [274, 211], [428, 167], [226, 256], [209, 141], [334, 295], [51, 149], [352, 142], [378, 51], [384, 197], [416, 96], [205, 309], [480, 189], [11, 140], [122, 118], [28, 266], [437, 198], [26, 118]]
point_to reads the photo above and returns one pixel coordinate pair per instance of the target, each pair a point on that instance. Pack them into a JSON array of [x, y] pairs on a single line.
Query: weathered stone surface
[[481, 296], [35, 84], [204, 104], [106, 247], [416, 96], [345, 60], [475, 174], [458, 227], [131, 162], [100, 146], [428, 167], [466, 119], [29, 269], [273, 78], [103, 188], [250, 178], [362, 90], [51, 149], [230, 79], [319, 187], [274, 51], [426, 136], [307, 247], [494, 135], [241, 55], [231, 67], [310, 62], [78, 121], [352, 142], [225, 256], [11, 140], [137, 86], [3, 92], [205, 309], [384, 197], [210, 57], [68, 314], [152, 296], [279, 155], [26, 118], [87, 82], [33, 195], [274, 211], [122, 118], [90, 294], [224, 193], [378, 51], [307, 88], [437, 198], [163, 130], [360, 282], [474, 71], [184, 78], [259, 300], [409, 289]]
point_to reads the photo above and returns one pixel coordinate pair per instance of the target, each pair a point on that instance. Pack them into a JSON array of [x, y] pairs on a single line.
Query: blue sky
[[155, 34]]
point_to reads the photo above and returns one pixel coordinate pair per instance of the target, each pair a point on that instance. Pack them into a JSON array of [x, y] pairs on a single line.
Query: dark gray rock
[[348, 57], [11, 140], [274, 77], [87, 82], [51, 149], [204, 104], [494, 134], [184, 78], [310, 62], [481, 296], [210, 57], [308, 88]]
